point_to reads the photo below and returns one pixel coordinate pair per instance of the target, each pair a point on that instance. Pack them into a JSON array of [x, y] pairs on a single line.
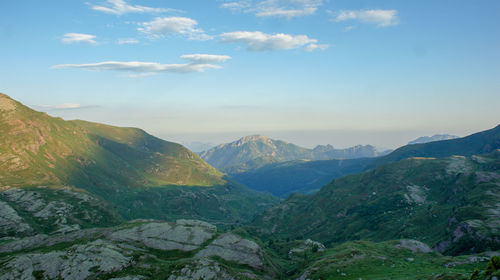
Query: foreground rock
[[166, 236], [234, 248], [76, 262]]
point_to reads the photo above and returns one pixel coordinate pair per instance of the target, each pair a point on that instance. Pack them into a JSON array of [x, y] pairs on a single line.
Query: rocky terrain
[[142, 249]]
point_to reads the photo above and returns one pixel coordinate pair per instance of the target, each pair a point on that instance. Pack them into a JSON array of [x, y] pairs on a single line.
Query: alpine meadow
[[249, 139]]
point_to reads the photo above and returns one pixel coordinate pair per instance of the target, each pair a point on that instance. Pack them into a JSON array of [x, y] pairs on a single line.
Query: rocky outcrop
[[201, 269], [75, 263], [234, 248], [11, 224], [53, 210], [167, 236], [414, 245]]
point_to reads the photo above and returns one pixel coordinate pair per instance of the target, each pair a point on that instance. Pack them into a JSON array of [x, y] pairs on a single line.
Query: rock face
[[11, 223], [140, 244], [202, 269], [231, 247], [77, 262], [50, 210], [166, 236]]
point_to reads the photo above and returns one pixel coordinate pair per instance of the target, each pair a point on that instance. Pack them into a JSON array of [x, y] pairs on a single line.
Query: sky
[[340, 72]]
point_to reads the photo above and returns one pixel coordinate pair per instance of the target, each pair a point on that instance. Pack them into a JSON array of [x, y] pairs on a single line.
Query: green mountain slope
[[121, 165], [450, 203], [477, 143], [39, 149], [303, 176], [255, 151]]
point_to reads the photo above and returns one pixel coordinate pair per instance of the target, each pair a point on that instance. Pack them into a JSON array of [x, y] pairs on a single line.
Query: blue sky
[[306, 71]]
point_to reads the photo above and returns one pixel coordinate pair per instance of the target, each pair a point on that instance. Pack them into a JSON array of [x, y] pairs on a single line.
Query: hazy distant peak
[[253, 138], [436, 137]]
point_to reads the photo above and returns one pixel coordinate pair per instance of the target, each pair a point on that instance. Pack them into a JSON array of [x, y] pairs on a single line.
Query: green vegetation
[[449, 203], [303, 176]]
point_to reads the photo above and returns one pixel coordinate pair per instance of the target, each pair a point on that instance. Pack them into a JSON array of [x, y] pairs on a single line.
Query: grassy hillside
[[451, 204], [303, 176], [121, 165], [39, 149]]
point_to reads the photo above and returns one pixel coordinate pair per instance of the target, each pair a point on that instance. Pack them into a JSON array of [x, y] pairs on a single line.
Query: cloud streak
[[128, 41], [275, 8], [162, 26], [75, 38], [259, 41], [381, 18], [120, 7], [65, 106], [199, 63]]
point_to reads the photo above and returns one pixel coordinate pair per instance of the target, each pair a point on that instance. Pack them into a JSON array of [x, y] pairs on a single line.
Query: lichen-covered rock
[[75, 263], [43, 240], [232, 247], [203, 269], [135, 277], [414, 245], [11, 223], [166, 236]]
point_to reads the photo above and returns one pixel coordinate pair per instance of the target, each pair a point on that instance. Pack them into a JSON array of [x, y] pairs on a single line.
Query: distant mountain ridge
[[255, 151], [478, 143], [436, 137]]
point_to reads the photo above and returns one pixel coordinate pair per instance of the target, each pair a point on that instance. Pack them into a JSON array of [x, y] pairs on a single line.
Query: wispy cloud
[[120, 7], [128, 41], [275, 8], [199, 63], [314, 47], [381, 18], [65, 106], [162, 26], [205, 58], [72, 38], [259, 41]]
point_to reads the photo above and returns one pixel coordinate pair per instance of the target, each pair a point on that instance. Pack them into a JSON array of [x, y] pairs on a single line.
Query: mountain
[[477, 143], [139, 174], [255, 151], [302, 176], [436, 137], [449, 203]]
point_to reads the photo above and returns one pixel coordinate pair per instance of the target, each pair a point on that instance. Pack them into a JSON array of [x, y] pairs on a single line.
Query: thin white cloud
[[72, 38], [275, 8], [128, 41], [162, 26], [381, 18], [199, 63], [64, 106], [313, 47], [205, 58], [120, 7], [259, 41]]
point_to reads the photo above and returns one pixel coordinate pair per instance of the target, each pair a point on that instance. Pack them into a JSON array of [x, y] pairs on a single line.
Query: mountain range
[[81, 200], [255, 151]]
